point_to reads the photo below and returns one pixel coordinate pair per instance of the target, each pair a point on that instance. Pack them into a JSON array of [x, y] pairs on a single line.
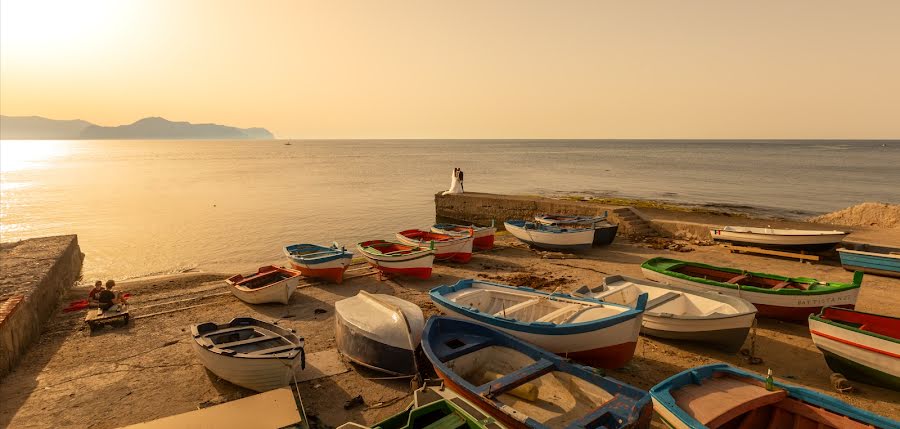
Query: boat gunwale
[[869, 254], [821, 318], [538, 328], [828, 287]]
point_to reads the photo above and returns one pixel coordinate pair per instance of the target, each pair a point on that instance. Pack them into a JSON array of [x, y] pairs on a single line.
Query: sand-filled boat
[[582, 329], [397, 258], [681, 314], [878, 260], [862, 346], [551, 236], [324, 262], [778, 297], [269, 284], [483, 235], [249, 352], [524, 386], [783, 238], [435, 407], [379, 331], [447, 247], [722, 396]]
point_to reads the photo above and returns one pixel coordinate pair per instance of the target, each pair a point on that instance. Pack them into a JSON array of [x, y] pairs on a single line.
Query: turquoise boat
[[878, 260]]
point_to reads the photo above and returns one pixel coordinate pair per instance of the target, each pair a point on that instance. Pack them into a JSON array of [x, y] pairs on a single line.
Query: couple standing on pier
[[456, 183]]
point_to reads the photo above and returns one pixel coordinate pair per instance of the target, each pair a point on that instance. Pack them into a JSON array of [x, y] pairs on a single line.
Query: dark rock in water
[[840, 383]]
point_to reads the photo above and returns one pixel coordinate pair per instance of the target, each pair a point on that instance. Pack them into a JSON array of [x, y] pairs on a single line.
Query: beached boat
[[583, 329], [560, 219], [681, 314], [379, 331], [249, 352], [269, 284], [774, 296], [483, 235], [861, 346], [783, 238], [447, 247], [604, 233], [524, 386], [722, 396], [313, 260], [879, 260], [396, 258], [438, 408], [604, 230], [551, 236]]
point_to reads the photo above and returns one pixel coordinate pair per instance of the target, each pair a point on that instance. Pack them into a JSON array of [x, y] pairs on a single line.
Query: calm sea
[[152, 207]]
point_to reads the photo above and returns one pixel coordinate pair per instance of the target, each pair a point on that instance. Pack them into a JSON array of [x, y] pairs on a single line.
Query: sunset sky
[[462, 69]]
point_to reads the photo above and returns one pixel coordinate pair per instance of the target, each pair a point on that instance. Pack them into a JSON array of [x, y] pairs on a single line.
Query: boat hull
[[418, 264], [572, 241], [813, 242], [604, 235], [254, 374], [858, 356], [276, 293], [777, 306], [359, 348], [870, 262], [728, 339]]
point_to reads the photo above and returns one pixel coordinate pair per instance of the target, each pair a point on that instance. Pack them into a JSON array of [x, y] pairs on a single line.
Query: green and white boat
[[435, 407], [862, 346], [775, 296]]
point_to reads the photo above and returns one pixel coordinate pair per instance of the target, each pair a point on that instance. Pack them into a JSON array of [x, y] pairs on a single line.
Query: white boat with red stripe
[[446, 247]]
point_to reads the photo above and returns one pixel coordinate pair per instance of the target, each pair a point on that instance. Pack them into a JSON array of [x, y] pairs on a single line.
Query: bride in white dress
[[455, 185]]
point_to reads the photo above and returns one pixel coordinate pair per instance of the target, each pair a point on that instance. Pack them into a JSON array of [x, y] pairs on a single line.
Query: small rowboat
[[681, 314], [379, 331], [878, 260], [784, 238], [248, 352], [484, 235], [313, 260], [722, 396], [551, 237], [524, 386], [270, 284], [774, 296], [861, 346], [583, 329], [396, 258], [604, 233], [559, 219], [447, 247], [435, 407]]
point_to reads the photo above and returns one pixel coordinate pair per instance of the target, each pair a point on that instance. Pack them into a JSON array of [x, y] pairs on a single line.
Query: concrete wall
[[480, 208], [682, 230], [33, 275]]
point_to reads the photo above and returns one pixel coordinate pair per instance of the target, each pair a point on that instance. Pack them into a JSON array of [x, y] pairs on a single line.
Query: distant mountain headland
[[154, 128]]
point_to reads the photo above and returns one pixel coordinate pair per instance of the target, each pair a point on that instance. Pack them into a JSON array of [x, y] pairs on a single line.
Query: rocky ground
[[118, 376]]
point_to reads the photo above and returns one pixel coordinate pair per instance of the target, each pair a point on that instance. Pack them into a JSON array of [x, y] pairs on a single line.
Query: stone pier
[[34, 274]]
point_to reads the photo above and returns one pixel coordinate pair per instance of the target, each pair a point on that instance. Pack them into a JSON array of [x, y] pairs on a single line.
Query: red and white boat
[[397, 258], [446, 247], [483, 235]]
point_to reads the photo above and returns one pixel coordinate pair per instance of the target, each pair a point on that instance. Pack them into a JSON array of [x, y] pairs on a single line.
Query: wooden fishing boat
[[313, 260], [483, 235], [681, 314], [774, 296], [396, 258], [561, 219], [879, 260], [268, 285], [524, 386], [604, 233], [722, 396], [861, 346], [550, 236], [435, 407], [379, 331], [249, 352], [583, 329], [783, 238], [447, 247]]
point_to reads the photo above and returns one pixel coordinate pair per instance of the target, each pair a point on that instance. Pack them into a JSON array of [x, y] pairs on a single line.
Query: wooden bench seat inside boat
[[516, 308], [557, 315], [662, 299], [720, 400], [252, 340], [736, 279]]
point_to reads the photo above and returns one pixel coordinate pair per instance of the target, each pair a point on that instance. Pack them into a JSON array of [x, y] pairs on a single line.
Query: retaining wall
[[481, 209], [33, 275]]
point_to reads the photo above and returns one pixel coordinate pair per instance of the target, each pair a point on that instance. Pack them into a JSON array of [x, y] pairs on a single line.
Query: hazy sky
[[463, 69]]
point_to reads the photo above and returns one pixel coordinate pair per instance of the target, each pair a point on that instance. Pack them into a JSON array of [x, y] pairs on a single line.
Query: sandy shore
[[120, 376]]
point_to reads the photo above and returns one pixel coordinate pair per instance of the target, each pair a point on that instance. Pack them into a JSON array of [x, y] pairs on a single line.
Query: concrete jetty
[[34, 273]]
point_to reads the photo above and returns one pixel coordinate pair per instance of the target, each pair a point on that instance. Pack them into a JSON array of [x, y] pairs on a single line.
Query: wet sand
[[120, 376]]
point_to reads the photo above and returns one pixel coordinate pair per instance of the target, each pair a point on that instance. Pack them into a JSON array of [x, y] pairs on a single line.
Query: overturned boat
[[681, 314], [379, 331], [269, 285], [248, 352], [323, 262]]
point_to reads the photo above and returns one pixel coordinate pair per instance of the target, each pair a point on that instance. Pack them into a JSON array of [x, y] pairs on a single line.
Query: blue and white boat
[[722, 396], [524, 386], [313, 260], [551, 236], [878, 260]]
